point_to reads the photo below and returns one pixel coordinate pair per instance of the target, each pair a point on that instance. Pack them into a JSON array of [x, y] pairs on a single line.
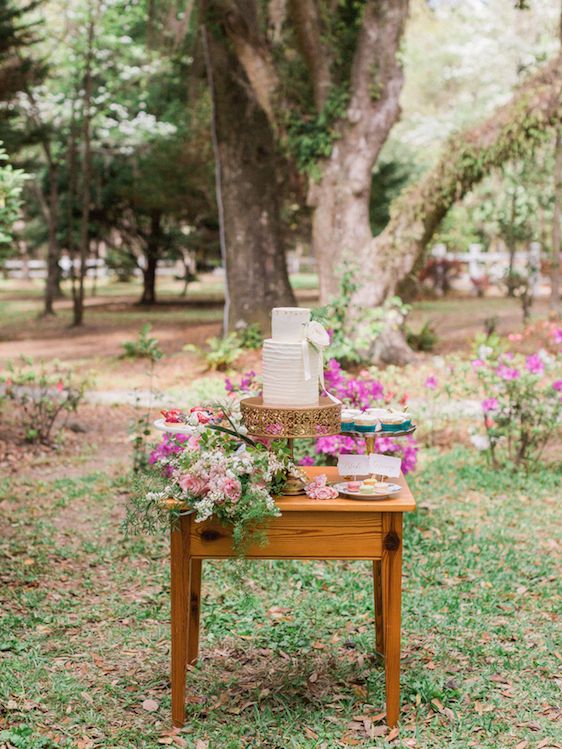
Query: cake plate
[[290, 423]]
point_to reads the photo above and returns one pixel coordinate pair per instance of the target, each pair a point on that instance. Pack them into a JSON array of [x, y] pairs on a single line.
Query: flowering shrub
[[521, 408], [39, 394], [216, 470], [357, 391]]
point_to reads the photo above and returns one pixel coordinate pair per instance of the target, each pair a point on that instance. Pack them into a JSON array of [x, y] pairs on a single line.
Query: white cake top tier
[[288, 324]]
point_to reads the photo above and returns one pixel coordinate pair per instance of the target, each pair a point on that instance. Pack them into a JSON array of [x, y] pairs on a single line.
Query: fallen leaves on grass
[[150, 705]]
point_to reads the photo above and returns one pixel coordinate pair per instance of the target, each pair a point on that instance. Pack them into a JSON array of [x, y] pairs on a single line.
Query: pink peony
[[490, 404], [557, 385], [534, 364], [194, 485]]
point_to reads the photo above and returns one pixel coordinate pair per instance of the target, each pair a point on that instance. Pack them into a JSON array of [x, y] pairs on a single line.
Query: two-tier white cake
[[291, 371]]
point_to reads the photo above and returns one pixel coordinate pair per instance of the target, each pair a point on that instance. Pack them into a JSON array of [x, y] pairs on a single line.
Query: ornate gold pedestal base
[[294, 486]]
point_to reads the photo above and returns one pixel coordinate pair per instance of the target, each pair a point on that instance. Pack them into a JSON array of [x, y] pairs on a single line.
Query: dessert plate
[[392, 490], [174, 428]]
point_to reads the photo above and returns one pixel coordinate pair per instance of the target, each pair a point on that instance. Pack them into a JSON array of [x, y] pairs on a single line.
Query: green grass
[[287, 648]]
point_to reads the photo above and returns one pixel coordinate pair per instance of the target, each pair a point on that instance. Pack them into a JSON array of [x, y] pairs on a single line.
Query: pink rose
[[326, 492], [194, 485], [232, 489]]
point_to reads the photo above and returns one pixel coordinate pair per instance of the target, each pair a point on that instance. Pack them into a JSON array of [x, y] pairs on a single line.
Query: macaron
[[353, 486], [348, 417], [366, 489], [365, 423]]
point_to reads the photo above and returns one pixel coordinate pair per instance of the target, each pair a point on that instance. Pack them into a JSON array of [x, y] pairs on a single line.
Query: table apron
[[298, 535]]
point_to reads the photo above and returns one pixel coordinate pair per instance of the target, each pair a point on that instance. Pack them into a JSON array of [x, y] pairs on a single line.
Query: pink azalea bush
[[356, 391], [521, 406]]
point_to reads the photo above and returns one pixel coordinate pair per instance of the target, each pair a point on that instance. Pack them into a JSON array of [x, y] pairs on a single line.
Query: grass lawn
[[287, 648]]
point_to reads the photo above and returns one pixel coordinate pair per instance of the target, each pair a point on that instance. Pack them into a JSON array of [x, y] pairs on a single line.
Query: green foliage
[[24, 737], [39, 393], [223, 352], [310, 138], [144, 347], [351, 341], [424, 340], [251, 336], [11, 185]]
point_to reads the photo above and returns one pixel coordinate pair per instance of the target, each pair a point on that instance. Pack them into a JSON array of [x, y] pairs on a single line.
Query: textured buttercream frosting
[[284, 380]]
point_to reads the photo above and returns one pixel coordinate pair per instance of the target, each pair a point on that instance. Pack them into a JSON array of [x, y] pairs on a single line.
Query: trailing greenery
[[310, 138]]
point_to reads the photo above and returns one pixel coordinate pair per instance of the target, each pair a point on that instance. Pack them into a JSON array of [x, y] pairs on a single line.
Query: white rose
[[317, 335]]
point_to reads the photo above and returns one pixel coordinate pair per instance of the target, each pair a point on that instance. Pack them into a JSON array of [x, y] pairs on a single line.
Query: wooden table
[[307, 529]]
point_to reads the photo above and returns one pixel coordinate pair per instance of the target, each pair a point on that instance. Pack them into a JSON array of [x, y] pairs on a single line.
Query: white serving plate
[[174, 428], [392, 490]]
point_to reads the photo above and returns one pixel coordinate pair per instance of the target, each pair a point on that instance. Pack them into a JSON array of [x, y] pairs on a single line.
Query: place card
[[385, 465], [362, 465], [354, 465]]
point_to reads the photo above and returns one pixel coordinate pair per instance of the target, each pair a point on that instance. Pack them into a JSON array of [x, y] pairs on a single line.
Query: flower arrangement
[[521, 407], [215, 469]]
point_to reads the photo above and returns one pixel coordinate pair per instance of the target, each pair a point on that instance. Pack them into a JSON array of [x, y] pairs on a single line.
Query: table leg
[[194, 611], [379, 621], [391, 573], [180, 587]]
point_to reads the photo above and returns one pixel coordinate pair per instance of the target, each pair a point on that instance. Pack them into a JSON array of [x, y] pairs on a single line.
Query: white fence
[[480, 263], [95, 268]]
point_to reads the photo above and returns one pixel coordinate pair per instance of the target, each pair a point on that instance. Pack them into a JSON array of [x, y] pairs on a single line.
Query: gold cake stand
[[290, 423]]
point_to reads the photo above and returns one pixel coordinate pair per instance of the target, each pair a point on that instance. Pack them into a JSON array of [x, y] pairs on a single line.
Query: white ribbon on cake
[[316, 335]]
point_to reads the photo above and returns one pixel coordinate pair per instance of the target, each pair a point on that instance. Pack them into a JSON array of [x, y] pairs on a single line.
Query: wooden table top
[[401, 502]]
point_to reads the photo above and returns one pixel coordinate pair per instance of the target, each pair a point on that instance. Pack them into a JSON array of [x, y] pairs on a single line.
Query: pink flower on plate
[[507, 373], [194, 485], [534, 364], [203, 415], [490, 404], [431, 382]]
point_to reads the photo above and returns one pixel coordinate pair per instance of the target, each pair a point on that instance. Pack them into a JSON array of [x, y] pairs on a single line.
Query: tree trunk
[[53, 272], [248, 188], [556, 227], [340, 225], [152, 256], [467, 158], [78, 310]]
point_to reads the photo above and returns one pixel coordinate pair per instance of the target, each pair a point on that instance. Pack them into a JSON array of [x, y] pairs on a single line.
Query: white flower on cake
[[317, 335]]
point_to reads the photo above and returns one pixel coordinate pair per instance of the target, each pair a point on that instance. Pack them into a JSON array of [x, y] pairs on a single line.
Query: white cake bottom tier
[[284, 383]]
